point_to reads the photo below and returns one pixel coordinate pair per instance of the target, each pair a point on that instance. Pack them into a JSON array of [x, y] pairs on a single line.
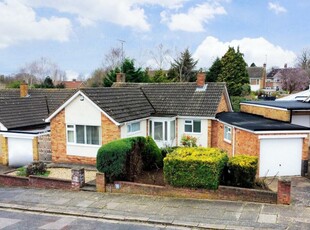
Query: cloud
[[276, 8], [256, 50], [194, 19], [20, 23], [129, 13], [71, 74]]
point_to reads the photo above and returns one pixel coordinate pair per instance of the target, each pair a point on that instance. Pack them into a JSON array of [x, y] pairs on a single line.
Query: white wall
[[254, 87], [202, 138], [82, 113], [2, 127], [142, 132], [303, 120]]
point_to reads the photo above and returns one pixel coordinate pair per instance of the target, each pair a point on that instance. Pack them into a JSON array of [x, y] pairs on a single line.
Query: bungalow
[[165, 111], [24, 135]]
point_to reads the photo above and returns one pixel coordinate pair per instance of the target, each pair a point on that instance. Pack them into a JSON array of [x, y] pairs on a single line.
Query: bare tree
[[303, 60], [161, 56], [113, 58], [40, 69]]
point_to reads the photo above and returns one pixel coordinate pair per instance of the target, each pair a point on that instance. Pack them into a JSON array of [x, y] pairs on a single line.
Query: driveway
[[300, 193]]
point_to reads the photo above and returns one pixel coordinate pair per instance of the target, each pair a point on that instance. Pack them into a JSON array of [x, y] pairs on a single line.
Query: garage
[[280, 156], [20, 151]]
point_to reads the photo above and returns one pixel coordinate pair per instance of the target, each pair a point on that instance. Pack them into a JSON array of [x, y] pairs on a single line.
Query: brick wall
[[222, 193], [223, 105], [110, 131], [35, 149], [277, 114], [4, 150], [218, 138], [45, 148]]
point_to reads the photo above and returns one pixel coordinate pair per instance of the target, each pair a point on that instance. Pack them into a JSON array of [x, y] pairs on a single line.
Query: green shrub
[[124, 159], [242, 170], [36, 168], [151, 155], [194, 167]]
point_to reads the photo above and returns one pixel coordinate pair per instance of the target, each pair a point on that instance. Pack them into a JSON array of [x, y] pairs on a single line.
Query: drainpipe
[[233, 144]]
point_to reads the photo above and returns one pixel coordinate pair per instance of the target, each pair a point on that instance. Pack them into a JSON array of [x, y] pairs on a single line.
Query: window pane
[[92, 135], [188, 128], [172, 130], [197, 126], [150, 128], [129, 128], [135, 127], [158, 131], [80, 138], [70, 134], [166, 130]]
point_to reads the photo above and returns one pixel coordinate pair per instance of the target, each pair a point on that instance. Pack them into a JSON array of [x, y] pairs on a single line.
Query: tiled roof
[[255, 72], [17, 112], [290, 105], [256, 123], [122, 104], [73, 84], [181, 98]]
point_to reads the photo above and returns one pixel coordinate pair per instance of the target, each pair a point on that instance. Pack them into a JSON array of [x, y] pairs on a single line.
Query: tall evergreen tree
[[128, 68], [182, 69], [234, 72], [214, 71]]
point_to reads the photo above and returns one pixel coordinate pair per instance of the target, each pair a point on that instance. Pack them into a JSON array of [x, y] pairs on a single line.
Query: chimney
[[120, 77], [201, 78], [23, 89], [285, 65]]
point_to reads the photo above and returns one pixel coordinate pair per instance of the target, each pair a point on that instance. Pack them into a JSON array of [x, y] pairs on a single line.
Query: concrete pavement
[[158, 210]]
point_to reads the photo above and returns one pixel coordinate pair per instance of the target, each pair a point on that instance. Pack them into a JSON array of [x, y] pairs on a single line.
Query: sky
[[77, 34]]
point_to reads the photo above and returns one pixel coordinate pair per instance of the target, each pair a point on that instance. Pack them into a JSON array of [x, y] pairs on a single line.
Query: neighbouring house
[[300, 96], [24, 135], [74, 84], [164, 111], [257, 77], [274, 77], [283, 146]]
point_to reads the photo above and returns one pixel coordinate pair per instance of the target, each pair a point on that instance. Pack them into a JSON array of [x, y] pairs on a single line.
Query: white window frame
[[227, 130], [129, 127], [73, 129], [191, 123]]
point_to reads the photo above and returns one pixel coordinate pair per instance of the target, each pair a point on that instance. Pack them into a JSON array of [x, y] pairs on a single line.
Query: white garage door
[[20, 151], [280, 157]]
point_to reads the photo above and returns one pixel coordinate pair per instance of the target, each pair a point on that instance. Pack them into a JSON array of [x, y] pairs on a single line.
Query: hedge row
[[242, 171], [124, 159], [194, 167]]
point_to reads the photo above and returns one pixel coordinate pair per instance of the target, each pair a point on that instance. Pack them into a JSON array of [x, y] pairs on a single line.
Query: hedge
[[124, 159], [242, 170], [151, 155], [194, 167]]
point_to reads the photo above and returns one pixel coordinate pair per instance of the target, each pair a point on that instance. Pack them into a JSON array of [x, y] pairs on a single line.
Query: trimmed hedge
[[242, 170], [124, 159], [194, 167]]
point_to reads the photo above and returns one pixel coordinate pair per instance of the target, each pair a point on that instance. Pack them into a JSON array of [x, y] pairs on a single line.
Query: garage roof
[[257, 123], [290, 105]]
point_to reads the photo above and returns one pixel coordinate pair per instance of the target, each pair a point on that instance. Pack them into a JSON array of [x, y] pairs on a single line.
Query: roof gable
[[255, 72]]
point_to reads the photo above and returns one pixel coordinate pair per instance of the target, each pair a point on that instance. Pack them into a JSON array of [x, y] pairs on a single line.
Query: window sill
[[227, 141], [83, 145], [132, 133], [192, 133]]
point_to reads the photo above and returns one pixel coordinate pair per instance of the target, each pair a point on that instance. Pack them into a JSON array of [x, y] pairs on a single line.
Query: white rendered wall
[[142, 132], [82, 112], [202, 138], [303, 120]]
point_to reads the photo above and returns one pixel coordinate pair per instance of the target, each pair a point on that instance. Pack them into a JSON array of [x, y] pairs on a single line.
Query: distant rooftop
[[290, 105]]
